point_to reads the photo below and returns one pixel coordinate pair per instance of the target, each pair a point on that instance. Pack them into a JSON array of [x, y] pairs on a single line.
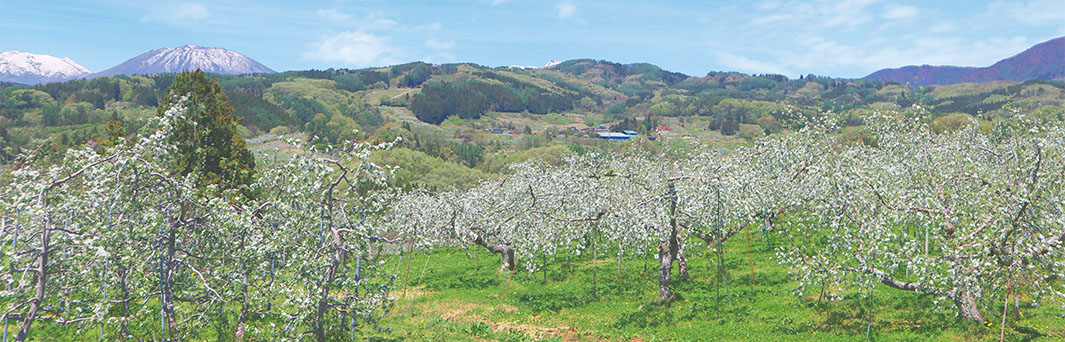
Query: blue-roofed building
[[614, 136], [630, 132]]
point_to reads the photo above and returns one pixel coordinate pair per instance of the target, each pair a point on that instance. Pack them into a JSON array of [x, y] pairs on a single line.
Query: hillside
[[1044, 61], [478, 117]]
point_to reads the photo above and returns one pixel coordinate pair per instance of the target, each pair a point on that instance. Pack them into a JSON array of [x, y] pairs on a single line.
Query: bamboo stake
[[424, 267], [1005, 307], [509, 277], [544, 270], [869, 327], [595, 264], [750, 256], [406, 274]]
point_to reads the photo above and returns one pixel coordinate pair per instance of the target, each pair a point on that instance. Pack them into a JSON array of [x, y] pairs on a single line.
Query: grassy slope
[[459, 298]]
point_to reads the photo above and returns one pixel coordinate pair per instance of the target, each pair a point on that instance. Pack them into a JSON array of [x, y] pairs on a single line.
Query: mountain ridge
[[1045, 61]]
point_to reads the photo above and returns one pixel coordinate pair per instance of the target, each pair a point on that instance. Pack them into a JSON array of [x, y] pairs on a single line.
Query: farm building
[[614, 136]]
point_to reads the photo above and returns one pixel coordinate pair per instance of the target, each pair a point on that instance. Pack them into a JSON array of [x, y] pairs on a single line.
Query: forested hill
[[459, 102]]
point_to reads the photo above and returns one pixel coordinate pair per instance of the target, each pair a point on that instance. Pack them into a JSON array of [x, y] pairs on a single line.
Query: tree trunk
[[42, 280], [967, 306], [167, 294], [503, 250], [323, 301], [243, 306], [682, 262], [123, 285], [665, 267], [508, 259], [668, 250]]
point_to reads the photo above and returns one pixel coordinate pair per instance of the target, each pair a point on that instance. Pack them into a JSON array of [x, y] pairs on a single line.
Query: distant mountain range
[[27, 68], [1042, 61], [1045, 61]]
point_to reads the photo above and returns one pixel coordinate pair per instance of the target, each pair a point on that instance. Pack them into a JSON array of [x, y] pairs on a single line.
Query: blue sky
[[841, 38]]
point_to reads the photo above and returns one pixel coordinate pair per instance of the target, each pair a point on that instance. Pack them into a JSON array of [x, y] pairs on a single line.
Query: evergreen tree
[[207, 141]]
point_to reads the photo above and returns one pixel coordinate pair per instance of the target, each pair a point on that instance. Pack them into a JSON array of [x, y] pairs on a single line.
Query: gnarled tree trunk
[[503, 250], [967, 306], [682, 262], [668, 250], [42, 280]]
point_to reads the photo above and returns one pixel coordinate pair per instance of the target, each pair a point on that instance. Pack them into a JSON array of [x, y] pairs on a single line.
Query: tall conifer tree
[[207, 140]]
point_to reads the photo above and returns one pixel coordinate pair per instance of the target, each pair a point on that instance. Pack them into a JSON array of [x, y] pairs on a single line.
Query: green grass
[[460, 298]]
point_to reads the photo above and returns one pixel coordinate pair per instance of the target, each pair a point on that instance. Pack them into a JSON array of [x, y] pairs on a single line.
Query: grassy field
[[449, 295], [462, 298]]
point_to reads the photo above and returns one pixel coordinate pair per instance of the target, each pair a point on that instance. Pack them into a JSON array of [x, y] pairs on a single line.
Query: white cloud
[[749, 65], [358, 21], [942, 27], [818, 14], [901, 12], [1034, 12], [353, 48], [442, 50], [850, 13], [439, 45], [178, 13], [821, 56], [772, 18], [946, 51], [566, 10], [768, 5], [333, 14], [434, 26], [191, 11], [376, 22]]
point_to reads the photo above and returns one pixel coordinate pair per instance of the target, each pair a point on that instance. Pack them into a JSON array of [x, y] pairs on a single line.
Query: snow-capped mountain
[[188, 57], [30, 68]]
